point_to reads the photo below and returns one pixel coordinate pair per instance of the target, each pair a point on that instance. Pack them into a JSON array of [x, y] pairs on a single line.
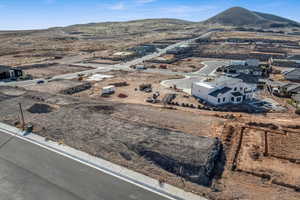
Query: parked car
[[148, 90], [40, 82]]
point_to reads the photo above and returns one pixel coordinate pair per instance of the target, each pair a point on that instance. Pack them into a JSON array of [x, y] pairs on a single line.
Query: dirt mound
[[12, 91], [105, 109], [264, 125], [40, 108], [188, 157]]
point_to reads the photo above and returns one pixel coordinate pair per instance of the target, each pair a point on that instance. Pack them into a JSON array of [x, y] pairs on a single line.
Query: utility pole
[[22, 117]]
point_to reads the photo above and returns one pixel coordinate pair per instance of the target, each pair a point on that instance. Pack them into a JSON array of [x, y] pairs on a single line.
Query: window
[[238, 99], [219, 100], [232, 99], [235, 89], [241, 88], [224, 99]]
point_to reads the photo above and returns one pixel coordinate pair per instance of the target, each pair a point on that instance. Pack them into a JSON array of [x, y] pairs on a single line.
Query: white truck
[[108, 90]]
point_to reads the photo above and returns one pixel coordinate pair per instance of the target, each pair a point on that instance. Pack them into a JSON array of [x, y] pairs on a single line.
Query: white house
[[237, 62], [223, 90], [140, 67], [248, 62]]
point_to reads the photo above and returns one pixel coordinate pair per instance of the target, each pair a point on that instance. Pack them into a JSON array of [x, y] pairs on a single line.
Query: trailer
[[108, 90]]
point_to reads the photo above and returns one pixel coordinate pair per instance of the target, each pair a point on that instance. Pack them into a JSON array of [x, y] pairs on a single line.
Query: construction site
[[213, 111]]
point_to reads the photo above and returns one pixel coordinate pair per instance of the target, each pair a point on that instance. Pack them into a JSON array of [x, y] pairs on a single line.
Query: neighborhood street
[[186, 83]]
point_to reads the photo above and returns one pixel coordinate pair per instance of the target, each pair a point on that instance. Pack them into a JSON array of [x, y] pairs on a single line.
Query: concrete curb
[[140, 180]]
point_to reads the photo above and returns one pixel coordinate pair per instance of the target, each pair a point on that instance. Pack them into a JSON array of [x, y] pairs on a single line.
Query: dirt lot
[[53, 70], [187, 65], [133, 79], [54, 87], [253, 164], [28, 47], [239, 34]]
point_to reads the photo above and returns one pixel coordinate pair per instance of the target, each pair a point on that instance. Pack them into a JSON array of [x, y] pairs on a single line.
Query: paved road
[[101, 69], [186, 83], [30, 172]]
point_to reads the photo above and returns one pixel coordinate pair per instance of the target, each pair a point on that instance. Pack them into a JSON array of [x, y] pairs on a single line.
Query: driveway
[[186, 83]]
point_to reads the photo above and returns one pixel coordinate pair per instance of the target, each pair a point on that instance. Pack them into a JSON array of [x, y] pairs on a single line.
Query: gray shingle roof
[[293, 75], [296, 97], [237, 94], [4, 68], [220, 91]]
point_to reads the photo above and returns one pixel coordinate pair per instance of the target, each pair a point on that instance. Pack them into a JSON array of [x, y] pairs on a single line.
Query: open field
[[31, 47], [52, 70]]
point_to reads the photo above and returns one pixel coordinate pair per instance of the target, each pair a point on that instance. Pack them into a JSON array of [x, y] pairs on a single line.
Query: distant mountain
[[238, 16]]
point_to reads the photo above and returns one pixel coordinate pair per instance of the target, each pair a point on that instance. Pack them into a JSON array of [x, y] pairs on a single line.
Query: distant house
[[248, 62], [283, 89], [7, 72], [140, 67], [143, 49], [296, 99], [182, 49], [290, 89], [223, 90], [293, 75], [249, 67]]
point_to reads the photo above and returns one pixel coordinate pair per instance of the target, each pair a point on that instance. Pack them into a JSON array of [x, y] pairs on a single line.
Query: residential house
[[296, 99], [250, 67], [223, 90], [283, 89], [7, 72]]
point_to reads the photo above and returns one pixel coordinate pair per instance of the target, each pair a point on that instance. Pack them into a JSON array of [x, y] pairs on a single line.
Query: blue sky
[[35, 14]]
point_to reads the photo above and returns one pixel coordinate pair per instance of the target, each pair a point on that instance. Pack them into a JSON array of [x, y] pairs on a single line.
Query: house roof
[[4, 68], [293, 87], [249, 78], [275, 83], [221, 91], [222, 80], [293, 75], [243, 67], [237, 94], [287, 85], [296, 97]]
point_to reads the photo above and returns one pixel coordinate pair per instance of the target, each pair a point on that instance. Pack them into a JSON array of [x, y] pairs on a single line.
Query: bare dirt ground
[[257, 159], [29, 47], [133, 79], [253, 168], [97, 127], [53, 70], [187, 65], [54, 87], [244, 34]]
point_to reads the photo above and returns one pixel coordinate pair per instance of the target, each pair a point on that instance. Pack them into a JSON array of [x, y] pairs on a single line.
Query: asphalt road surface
[[30, 172], [186, 83]]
